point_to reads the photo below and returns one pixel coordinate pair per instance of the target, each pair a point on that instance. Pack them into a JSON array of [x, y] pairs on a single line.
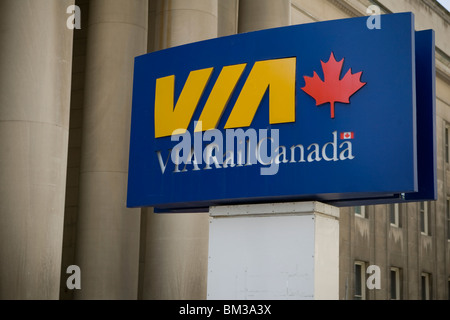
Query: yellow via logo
[[277, 75]]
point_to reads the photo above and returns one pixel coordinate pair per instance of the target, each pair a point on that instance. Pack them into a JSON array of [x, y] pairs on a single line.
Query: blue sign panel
[[426, 129], [323, 111]]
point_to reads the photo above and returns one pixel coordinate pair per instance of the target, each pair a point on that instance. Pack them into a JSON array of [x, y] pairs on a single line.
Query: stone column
[[107, 248], [176, 22], [35, 78], [176, 248], [227, 17], [263, 14]]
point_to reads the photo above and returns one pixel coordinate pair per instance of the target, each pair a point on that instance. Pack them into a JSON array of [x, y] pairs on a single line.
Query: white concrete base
[[274, 251]]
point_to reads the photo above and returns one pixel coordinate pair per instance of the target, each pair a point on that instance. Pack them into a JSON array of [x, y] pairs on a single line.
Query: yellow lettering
[[276, 75], [219, 96], [169, 118], [279, 76]]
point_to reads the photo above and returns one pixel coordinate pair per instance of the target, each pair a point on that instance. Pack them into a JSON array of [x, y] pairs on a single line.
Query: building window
[[360, 281], [424, 228], [360, 211], [394, 215], [448, 218], [395, 284], [426, 286]]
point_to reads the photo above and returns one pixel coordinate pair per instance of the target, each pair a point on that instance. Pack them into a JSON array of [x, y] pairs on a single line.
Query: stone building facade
[[65, 106]]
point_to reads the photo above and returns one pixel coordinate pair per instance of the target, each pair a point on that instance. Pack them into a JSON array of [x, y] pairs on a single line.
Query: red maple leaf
[[333, 89]]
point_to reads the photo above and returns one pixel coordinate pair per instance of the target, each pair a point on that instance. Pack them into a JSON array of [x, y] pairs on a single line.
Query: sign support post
[[274, 251]]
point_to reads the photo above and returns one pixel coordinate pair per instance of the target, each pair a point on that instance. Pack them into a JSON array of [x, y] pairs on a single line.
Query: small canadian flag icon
[[347, 135]]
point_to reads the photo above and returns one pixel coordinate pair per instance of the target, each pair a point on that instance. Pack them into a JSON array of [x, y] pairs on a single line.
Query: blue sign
[[426, 129], [326, 111]]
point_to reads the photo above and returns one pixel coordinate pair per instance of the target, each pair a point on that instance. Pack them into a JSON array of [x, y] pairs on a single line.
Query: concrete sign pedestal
[[274, 251]]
